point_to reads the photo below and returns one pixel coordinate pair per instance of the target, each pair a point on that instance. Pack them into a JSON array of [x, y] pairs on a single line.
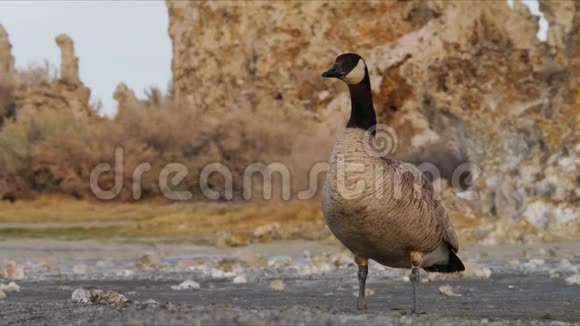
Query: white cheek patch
[[357, 74]]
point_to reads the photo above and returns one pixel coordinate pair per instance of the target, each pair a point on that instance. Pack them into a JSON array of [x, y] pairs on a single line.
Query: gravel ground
[[516, 284]]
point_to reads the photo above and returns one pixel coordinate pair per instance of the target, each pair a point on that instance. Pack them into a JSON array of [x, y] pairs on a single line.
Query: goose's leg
[[416, 262], [414, 277], [363, 270]]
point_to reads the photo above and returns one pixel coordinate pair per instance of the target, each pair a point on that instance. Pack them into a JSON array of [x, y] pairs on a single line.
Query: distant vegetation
[[54, 151]]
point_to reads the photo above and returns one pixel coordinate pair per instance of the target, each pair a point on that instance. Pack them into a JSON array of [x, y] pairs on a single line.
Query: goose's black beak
[[333, 72]]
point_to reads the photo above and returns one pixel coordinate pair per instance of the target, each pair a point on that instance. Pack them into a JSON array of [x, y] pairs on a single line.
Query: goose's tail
[[454, 265]]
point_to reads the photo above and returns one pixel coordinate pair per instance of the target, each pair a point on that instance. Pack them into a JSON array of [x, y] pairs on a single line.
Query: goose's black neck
[[362, 114]]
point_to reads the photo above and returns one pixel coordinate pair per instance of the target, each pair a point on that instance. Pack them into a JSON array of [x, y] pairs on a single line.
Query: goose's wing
[[439, 214], [448, 234], [411, 180], [451, 237]]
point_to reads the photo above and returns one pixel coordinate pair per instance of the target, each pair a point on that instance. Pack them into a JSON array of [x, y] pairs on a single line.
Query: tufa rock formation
[[225, 58], [6, 77], [560, 15], [6, 58], [125, 98], [124, 95], [459, 81], [69, 63], [40, 91]]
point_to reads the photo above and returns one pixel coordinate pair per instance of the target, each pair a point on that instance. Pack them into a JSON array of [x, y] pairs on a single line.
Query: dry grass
[[199, 221], [211, 223]]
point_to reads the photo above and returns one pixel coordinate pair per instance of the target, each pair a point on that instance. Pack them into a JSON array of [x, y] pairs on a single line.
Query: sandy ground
[[507, 284]]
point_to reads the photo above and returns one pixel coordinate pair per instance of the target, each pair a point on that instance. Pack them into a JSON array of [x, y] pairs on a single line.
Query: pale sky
[[115, 41]]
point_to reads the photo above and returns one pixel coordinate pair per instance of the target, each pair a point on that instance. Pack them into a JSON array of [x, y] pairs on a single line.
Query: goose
[[379, 208]]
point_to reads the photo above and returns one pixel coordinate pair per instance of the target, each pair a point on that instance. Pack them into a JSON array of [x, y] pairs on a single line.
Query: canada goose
[[379, 208]]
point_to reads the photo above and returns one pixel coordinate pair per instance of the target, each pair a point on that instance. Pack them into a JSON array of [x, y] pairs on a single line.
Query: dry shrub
[[36, 73], [55, 152]]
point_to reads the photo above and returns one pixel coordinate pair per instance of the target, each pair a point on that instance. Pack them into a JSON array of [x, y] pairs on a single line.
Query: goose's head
[[349, 67]]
